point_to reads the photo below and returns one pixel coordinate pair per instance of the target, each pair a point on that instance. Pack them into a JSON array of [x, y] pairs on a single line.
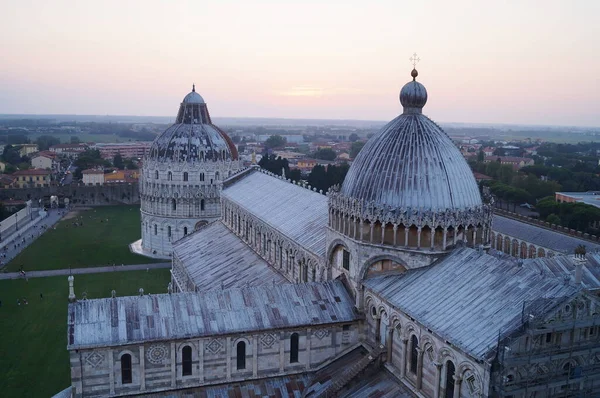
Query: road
[[90, 270], [30, 235]]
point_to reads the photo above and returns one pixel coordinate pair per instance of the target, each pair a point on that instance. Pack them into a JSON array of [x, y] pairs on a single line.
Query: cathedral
[[395, 284]]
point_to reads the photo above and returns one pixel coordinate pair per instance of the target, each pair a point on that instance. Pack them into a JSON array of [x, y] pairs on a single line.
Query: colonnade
[[410, 236], [283, 254], [518, 248]]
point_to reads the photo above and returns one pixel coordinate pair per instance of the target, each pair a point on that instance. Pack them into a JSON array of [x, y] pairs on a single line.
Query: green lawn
[[97, 243], [34, 361]]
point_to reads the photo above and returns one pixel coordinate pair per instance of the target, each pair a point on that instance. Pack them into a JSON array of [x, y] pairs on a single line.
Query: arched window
[[125, 369], [155, 229], [184, 231], [173, 204], [294, 342], [170, 176], [241, 355], [186, 361], [450, 370], [185, 176], [156, 174], [414, 354], [217, 176], [169, 231], [202, 204], [201, 176]]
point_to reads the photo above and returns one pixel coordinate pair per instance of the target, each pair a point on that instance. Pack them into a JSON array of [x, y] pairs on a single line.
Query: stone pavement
[[89, 270]]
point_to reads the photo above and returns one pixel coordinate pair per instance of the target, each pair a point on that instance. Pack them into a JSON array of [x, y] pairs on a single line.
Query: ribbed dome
[[193, 137], [412, 163], [193, 97], [413, 95]]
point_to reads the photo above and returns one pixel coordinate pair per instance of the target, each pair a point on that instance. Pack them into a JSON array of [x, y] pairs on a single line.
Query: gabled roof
[[92, 171], [127, 320], [214, 257], [298, 213], [470, 297], [31, 172]]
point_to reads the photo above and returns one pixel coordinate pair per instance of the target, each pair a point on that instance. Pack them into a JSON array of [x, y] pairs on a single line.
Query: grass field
[[34, 361], [97, 243]]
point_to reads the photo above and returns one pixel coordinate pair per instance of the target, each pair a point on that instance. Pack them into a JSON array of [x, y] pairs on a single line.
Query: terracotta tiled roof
[[31, 172]]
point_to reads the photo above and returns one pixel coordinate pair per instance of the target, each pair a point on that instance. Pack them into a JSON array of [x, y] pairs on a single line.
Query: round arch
[[364, 269]]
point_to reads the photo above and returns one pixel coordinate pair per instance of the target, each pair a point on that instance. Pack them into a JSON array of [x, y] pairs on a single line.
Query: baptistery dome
[[412, 163], [182, 177], [193, 137]]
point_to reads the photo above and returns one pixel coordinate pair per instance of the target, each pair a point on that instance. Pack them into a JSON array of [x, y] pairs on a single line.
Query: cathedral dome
[[412, 164], [193, 97], [413, 95], [193, 137]]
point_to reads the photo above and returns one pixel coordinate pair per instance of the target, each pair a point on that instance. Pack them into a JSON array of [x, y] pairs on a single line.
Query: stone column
[[404, 355], [418, 237], [457, 382], [111, 369], [432, 235], [438, 375], [406, 229], [444, 238], [228, 360], [281, 352], [371, 233], [142, 369], [390, 343], [383, 226], [255, 356], [395, 234], [308, 348], [419, 368], [173, 366], [201, 361]]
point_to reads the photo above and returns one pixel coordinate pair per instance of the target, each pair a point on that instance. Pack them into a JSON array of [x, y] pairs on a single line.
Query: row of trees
[[320, 177], [578, 216]]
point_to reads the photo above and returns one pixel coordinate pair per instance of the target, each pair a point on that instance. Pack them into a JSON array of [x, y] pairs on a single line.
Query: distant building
[[589, 198], [481, 177], [120, 176], [27, 149], [93, 177], [32, 178], [70, 150], [127, 150], [6, 181], [515, 162], [45, 160]]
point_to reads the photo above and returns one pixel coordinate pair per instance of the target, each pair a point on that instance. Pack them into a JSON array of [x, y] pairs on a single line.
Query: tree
[[89, 159], [355, 148], [353, 137], [553, 219], [275, 141], [480, 156], [11, 155], [275, 164], [294, 175], [580, 250], [46, 141], [325, 154], [118, 161], [75, 139]]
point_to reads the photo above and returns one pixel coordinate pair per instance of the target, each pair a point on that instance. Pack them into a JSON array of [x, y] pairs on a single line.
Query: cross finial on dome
[[415, 60], [194, 87]]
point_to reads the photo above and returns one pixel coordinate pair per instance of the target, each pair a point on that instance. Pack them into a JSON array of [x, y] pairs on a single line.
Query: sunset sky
[[528, 62]]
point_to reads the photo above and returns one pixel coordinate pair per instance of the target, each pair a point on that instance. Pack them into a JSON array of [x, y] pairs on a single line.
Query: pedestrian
[[41, 296], [18, 302]]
